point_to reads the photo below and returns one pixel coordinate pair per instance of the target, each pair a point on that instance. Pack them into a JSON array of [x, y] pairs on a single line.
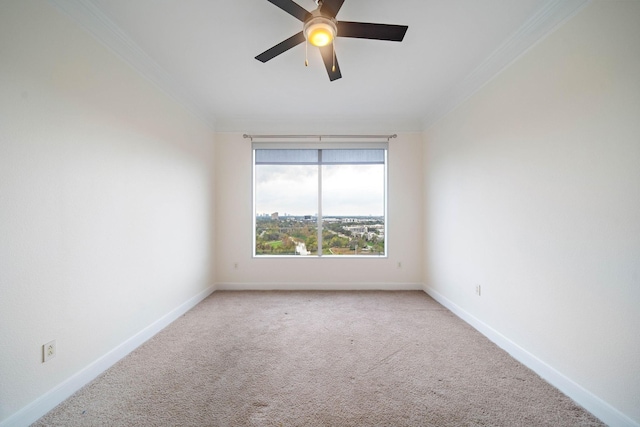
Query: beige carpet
[[318, 359]]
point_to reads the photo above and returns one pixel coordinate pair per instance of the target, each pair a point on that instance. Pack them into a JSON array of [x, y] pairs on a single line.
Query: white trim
[[318, 286], [318, 124], [550, 17], [318, 146], [39, 407], [372, 257], [592, 403], [90, 17]]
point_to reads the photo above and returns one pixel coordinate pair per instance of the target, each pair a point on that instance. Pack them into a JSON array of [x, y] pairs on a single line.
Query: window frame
[[321, 145]]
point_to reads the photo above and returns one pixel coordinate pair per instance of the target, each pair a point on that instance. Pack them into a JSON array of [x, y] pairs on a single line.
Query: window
[[328, 201]]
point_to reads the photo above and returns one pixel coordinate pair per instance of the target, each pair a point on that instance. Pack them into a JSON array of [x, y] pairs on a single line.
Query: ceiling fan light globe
[[320, 31], [320, 37]]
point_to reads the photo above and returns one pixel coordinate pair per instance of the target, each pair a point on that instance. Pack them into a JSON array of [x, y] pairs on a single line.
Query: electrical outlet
[[399, 264], [478, 290], [235, 265], [48, 351]]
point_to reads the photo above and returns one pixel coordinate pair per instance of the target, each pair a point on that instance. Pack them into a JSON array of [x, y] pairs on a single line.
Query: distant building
[[274, 216], [358, 230]]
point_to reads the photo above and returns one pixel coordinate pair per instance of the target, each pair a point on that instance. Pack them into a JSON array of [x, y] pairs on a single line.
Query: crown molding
[[550, 17], [89, 17], [317, 124]]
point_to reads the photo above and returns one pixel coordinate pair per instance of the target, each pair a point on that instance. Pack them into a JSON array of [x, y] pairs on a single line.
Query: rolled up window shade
[[314, 157]]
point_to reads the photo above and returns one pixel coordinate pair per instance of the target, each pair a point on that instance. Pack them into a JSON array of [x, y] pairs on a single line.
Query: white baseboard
[[319, 286], [592, 403], [39, 407]]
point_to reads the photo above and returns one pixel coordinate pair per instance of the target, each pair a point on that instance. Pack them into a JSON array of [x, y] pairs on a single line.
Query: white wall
[[234, 238], [533, 192], [106, 194]]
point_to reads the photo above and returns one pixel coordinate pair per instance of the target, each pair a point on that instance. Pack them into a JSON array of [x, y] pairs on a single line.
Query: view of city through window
[[346, 189]]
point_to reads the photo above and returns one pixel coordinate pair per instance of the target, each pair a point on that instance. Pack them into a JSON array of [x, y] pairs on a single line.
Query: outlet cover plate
[[48, 351]]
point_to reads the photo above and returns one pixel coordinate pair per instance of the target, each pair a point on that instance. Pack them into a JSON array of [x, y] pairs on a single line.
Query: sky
[[348, 190]]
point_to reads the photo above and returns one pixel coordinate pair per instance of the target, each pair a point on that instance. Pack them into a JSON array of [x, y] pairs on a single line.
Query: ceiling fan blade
[[327, 57], [281, 47], [292, 8], [331, 7], [365, 30]]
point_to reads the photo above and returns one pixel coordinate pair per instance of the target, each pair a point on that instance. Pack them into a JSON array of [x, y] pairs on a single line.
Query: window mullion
[[319, 226]]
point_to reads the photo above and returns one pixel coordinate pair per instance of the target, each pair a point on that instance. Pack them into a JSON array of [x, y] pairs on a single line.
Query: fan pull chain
[[306, 49]]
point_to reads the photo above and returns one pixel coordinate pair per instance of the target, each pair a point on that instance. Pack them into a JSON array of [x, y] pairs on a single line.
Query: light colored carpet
[[318, 359]]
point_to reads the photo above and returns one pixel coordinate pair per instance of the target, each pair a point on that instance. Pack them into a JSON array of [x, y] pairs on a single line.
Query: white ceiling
[[202, 53]]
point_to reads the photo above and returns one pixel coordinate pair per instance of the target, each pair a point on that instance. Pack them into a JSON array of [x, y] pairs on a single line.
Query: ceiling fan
[[321, 28]]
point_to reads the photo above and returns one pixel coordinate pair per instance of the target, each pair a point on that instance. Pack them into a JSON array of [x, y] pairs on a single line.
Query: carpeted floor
[[318, 359]]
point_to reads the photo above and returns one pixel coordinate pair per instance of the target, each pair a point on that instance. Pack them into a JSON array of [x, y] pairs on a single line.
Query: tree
[[312, 243], [288, 245], [338, 242], [378, 246]]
